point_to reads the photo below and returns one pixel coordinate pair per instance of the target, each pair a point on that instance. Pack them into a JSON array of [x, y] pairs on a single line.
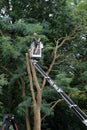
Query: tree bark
[[36, 98], [26, 107]]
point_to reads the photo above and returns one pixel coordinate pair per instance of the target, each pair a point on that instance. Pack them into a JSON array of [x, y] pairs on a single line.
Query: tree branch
[[39, 91], [4, 68], [55, 56], [30, 78], [54, 105]]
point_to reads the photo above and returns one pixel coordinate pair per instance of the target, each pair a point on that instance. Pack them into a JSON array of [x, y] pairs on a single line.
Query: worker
[[36, 47]]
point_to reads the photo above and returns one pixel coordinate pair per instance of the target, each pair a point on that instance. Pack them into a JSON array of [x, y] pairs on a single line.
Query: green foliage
[[45, 109], [9, 50], [64, 81], [84, 75], [14, 43], [26, 103], [3, 80]]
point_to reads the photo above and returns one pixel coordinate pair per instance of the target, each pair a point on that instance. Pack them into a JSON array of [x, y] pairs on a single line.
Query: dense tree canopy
[[62, 27]]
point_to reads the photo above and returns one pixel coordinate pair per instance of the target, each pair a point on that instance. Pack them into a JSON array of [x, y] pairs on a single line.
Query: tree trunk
[[27, 118], [26, 108], [36, 98], [37, 116], [37, 113]]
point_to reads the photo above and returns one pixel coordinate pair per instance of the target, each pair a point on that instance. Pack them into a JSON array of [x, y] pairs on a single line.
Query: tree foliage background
[[52, 21]]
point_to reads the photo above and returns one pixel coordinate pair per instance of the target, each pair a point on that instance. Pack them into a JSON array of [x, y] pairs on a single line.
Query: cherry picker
[[68, 100]]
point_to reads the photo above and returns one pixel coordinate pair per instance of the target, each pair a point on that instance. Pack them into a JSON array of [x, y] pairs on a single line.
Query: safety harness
[[9, 120]]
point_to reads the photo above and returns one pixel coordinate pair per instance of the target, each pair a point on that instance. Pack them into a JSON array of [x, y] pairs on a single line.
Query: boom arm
[[67, 99]]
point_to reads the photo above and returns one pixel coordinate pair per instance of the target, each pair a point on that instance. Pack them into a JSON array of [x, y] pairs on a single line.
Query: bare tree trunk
[[27, 118], [38, 97], [37, 118], [26, 108]]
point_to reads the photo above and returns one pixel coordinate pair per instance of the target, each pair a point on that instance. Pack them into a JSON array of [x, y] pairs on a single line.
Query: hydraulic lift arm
[[67, 99]]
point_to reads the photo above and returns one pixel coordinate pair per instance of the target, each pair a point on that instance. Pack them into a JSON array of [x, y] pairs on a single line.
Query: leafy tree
[[15, 41], [64, 58]]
